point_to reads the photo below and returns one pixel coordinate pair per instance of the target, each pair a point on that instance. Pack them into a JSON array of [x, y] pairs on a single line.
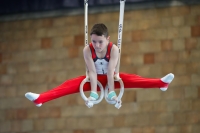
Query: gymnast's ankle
[[32, 97], [167, 79]]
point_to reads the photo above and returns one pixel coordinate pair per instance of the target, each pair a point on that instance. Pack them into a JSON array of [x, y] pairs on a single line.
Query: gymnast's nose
[[97, 45]]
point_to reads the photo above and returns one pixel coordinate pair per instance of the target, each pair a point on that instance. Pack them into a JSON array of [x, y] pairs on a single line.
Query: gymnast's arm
[[114, 55], [91, 68]]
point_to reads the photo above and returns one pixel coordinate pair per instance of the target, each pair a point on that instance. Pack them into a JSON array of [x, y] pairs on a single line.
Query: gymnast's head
[[99, 37], [99, 30]]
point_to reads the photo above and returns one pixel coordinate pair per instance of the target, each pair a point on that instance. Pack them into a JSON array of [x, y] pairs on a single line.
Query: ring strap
[[111, 95], [94, 95]]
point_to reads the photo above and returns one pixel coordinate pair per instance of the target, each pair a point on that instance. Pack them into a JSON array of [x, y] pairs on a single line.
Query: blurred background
[[41, 44]]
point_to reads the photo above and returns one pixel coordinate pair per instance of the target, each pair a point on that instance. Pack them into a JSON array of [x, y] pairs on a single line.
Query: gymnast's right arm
[[91, 68]]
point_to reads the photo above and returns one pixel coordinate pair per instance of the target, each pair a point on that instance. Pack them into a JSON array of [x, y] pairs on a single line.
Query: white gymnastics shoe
[[167, 79], [32, 97]]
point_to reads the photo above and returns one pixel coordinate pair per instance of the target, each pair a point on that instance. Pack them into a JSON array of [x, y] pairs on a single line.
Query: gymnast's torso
[[101, 64]]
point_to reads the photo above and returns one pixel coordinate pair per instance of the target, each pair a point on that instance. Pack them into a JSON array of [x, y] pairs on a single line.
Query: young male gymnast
[[101, 57]]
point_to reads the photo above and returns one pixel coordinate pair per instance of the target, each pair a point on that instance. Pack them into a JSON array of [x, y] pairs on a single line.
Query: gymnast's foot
[[32, 97], [167, 79]]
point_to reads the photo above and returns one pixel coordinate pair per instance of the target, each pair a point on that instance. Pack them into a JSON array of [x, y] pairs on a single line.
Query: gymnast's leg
[[136, 81], [68, 87]]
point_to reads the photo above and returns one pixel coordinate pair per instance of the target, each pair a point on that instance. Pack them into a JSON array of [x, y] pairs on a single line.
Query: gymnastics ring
[[91, 103], [117, 105]]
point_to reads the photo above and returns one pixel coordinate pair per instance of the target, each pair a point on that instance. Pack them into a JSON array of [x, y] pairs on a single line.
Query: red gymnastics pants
[[72, 86]]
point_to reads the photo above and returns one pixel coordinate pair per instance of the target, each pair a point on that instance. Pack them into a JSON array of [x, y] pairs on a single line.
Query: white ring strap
[[120, 30]]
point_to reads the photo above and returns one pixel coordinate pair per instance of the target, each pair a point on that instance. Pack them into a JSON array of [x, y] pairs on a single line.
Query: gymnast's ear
[[108, 38]]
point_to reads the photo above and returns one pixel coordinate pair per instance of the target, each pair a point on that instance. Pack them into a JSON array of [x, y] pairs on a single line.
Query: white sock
[[167, 79], [32, 97], [38, 105]]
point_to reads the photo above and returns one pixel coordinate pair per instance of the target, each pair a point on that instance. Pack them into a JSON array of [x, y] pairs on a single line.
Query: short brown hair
[[99, 29]]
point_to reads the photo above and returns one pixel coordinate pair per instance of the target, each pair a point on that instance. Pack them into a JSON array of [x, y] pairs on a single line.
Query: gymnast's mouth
[[98, 49]]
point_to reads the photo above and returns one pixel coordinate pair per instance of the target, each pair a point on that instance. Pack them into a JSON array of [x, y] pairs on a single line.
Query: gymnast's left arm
[[114, 55]]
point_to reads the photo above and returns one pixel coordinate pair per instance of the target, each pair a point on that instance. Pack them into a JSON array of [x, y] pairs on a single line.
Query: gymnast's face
[[99, 42]]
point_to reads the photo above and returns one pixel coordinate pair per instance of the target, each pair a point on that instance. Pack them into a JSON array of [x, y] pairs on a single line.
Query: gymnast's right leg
[[68, 87]]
